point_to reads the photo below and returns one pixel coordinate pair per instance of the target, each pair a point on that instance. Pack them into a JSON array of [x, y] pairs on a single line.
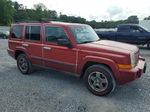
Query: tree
[[40, 6], [18, 6], [147, 18], [10, 11], [39, 11], [6, 12], [133, 19], [72, 19]]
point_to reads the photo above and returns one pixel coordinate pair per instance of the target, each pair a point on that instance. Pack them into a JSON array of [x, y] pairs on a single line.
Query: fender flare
[[23, 50], [113, 66]]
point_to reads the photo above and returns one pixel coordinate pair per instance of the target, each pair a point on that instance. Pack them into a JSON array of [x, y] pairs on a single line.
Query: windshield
[[143, 28], [84, 34]]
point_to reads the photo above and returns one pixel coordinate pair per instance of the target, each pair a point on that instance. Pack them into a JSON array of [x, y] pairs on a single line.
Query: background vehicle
[[4, 34], [75, 48], [129, 33]]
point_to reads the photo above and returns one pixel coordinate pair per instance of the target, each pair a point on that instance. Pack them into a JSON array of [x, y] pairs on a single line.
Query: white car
[[4, 34]]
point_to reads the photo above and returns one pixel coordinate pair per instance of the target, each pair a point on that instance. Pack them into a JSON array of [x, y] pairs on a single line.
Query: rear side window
[[52, 34], [17, 32], [33, 33], [123, 29]]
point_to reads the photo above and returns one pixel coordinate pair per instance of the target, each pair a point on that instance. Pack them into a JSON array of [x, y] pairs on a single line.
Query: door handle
[[47, 48], [25, 45]]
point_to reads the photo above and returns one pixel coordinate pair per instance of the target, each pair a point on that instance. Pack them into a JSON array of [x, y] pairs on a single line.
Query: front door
[[55, 55]]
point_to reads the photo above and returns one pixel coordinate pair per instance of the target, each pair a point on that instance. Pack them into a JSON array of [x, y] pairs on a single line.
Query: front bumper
[[128, 75]]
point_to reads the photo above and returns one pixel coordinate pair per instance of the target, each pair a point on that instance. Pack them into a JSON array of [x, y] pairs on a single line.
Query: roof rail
[[32, 21], [42, 20]]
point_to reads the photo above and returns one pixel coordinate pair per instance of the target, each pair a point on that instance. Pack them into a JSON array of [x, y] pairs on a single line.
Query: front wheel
[[4, 37], [24, 64], [99, 80]]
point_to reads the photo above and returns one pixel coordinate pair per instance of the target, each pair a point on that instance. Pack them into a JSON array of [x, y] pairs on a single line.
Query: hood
[[111, 46]]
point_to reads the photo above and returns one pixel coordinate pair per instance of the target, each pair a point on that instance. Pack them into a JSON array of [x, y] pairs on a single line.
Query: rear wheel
[[4, 37], [99, 80], [24, 64]]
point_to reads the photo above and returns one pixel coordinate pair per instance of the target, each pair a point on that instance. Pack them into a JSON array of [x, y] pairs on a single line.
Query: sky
[[96, 9]]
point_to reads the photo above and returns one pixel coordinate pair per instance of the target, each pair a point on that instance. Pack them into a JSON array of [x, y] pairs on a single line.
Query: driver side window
[[52, 34], [134, 29]]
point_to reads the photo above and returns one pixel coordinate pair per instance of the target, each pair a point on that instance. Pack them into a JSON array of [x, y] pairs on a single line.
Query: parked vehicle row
[[76, 48]]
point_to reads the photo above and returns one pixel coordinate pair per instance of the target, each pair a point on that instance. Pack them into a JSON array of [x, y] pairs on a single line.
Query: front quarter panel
[[100, 60]]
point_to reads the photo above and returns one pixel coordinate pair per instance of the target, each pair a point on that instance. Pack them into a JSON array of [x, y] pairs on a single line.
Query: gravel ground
[[54, 91]]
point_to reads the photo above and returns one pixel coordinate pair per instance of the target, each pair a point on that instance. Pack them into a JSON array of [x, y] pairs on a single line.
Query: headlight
[[133, 60]]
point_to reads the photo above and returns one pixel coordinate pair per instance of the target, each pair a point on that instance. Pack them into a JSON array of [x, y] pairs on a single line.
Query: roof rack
[[43, 20], [32, 21]]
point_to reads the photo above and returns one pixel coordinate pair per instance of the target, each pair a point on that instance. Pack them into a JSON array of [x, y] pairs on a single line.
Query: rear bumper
[[132, 74], [11, 53]]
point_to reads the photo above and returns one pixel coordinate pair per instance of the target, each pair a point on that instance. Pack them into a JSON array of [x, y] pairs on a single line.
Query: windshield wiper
[[86, 42], [99, 39], [89, 41]]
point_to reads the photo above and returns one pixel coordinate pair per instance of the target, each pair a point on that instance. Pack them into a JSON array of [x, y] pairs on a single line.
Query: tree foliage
[[72, 19], [10, 11], [102, 24], [6, 12], [39, 11], [133, 19], [40, 7], [147, 18]]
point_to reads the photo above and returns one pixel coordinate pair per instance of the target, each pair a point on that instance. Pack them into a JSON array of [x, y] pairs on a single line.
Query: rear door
[[33, 43], [55, 55]]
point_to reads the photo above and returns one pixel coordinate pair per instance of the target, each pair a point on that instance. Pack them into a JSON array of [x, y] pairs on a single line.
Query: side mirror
[[142, 31], [64, 42]]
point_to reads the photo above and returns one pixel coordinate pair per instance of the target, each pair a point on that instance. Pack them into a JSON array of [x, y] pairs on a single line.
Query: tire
[[4, 37], [24, 65], [148, 45], [99, 80]]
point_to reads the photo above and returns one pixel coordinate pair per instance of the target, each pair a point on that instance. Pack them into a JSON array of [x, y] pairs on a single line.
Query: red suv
[[75, 48]]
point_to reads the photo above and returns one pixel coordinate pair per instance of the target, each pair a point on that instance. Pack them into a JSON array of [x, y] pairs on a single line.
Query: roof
[[48, 22]]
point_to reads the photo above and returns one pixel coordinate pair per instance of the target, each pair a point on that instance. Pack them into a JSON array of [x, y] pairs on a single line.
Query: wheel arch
[[90, 63], [102, 61], [18, 52]]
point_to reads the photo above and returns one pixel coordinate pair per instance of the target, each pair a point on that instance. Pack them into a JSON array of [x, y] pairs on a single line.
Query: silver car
[[4, 34]]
